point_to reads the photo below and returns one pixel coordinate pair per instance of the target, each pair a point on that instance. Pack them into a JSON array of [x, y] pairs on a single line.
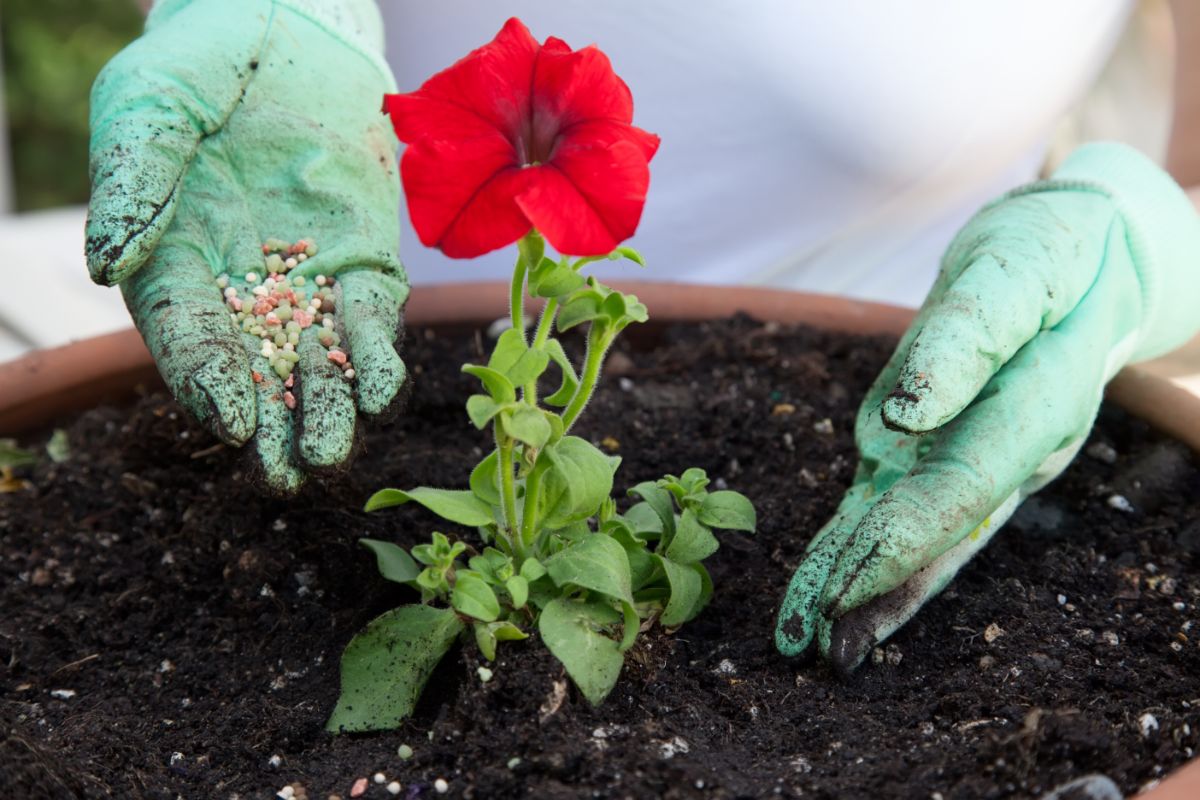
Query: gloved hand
[[227, 123], [1041, 298]]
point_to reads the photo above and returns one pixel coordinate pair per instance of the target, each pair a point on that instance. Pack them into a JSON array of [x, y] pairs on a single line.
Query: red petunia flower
[[519, 135]]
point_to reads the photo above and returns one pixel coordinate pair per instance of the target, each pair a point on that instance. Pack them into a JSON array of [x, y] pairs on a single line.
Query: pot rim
[[45, 384]]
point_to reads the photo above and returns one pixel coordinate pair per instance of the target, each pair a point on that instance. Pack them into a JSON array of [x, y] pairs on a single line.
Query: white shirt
[[830, 147]]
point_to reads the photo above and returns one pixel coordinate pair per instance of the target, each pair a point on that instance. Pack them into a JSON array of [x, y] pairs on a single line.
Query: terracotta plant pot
[[46, 384]]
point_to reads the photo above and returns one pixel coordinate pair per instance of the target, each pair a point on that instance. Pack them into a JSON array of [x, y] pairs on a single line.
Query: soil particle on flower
[[527, 732]]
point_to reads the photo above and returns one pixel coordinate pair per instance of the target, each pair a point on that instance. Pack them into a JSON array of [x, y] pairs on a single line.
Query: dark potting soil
[[167, 632]]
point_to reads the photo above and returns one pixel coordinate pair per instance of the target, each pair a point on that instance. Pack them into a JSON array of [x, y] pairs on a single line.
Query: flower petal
[[487, 88], [603, 133], [492, 219], [461, 194], [416, 116], [588, 199], [570, 87]]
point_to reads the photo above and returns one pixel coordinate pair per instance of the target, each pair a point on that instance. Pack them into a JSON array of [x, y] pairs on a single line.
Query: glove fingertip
[[793, 633], [110, 262], [227, 404], [280, 477], [906, 409], [381, 379], [121, 233], [851, 638], [326, 417]]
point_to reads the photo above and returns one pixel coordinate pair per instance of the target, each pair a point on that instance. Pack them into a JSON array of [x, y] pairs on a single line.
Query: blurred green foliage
[[52, 51]]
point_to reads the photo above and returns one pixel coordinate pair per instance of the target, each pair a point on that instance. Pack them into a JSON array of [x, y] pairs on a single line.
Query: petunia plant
[[533, 143]]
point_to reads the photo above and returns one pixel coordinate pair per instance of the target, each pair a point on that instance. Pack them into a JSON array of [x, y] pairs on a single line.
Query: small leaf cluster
[[555, 555], [588, 594]]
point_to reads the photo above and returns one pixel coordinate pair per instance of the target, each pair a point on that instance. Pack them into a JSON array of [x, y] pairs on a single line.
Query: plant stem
[[533, 492], [545, 323], [599, 340], [529, 250], [516, 302], [508, 492]]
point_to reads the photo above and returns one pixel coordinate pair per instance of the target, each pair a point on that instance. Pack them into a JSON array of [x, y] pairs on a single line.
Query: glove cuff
[[1162, 231]]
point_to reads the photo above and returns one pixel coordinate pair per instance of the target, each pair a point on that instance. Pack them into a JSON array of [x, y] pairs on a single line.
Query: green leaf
[[659, 499], [692, 540], [629, 253], [641, 562], [483, 567], [572, 631], [385, 667], [573, 533], [583, 307], [500, 564], [554, 279], [598, 563], [644, 521], [632, 624], [531, 247], [486, 640], [13, 456], [728, 511], [507, 632], [518, 587], [615, 255], [485, 479], [685, 593], [59, 446], [456, 505], [570, 380], [393, 561], [493, 566], [613, 306], [634, 310], [488, 633], [543, 592], [529, 367], [496, 383], [577, 483], [481, 408], [473, 597], [706, 587], [527, 424], [513, 359], [693, 481], [510, 346], [557, 429], [652, 594], [439, 551], [532, 569]]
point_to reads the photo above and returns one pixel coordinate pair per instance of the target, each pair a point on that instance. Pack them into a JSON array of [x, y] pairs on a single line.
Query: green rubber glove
[[227, 123], [1041, 298]]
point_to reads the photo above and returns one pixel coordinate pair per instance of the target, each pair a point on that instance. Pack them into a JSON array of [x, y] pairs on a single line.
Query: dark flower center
[[537, 138]]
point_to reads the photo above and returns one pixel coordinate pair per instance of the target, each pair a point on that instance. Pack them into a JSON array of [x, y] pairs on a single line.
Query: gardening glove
[[1041, 298], [227, 123]]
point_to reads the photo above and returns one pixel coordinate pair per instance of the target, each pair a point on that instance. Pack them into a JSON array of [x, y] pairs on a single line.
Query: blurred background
[[51, 50]]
